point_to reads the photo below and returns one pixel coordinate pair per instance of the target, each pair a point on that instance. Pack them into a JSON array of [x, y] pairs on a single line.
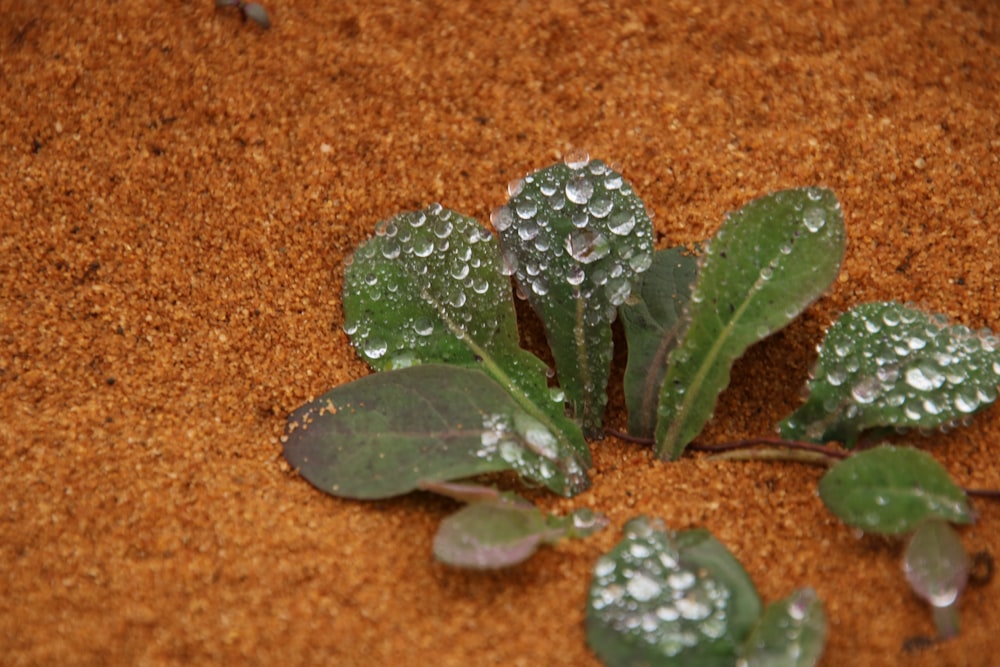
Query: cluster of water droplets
[[902, 367], [531, 449], [575, 231], [642, 590], [425, 273]]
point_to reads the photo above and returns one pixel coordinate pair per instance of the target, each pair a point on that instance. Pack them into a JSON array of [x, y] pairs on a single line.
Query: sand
[[178, 191]]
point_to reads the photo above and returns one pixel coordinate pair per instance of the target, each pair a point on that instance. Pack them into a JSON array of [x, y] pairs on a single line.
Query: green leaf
[[790, 633], [654, 321], [428, 288], [767, 262], [576, 237], [504, 531], [889, 365], [937, 568], [669, 599], [891, 489], [384, 434]]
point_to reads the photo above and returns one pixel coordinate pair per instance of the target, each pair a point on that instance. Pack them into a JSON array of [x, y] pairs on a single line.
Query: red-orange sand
[[178, 190]]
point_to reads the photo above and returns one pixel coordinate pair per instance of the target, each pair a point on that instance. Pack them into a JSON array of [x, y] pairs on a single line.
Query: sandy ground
[[178, 190]]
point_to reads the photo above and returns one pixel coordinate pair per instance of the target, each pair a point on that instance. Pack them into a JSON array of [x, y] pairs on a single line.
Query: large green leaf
[[790, 633], [384, 434], [889, 365], [891, 489], [669, 599], [428, 288], [767, 262], [654, 320], [576, 236]]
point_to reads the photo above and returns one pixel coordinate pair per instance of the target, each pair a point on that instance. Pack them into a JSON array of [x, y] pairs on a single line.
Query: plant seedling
[[428, 304]]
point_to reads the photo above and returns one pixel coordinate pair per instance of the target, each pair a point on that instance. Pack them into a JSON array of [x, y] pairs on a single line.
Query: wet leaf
[[892, 489], [669, 599], [503, 531], [889, 365], [576, 237], [654, 321], [767, 262], [937, 568], [428, 289], [385, 434], [790, 633]]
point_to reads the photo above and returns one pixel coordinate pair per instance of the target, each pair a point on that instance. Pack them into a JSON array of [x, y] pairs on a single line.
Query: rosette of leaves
[[670, 599], [576, 237], [767, 262], [425, 301], [889, 365]]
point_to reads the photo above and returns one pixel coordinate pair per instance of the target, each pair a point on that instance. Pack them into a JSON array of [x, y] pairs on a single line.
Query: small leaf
[[499, 533], [767, 262], [576, 237], [487, 535], [790, 633], [654, 322], [937, 568], [889, 365], [428, 289], [669, 599], [892, 489], [388, 433]]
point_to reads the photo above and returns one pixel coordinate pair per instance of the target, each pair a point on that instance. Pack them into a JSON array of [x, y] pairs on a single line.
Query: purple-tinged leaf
[[937, 567], [384, 434]]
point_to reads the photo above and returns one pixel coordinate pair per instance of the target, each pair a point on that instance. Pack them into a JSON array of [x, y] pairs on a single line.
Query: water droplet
[[600, 206], [766, 273], [423, 325], [528, 230], [692, 608], [604, 567], [502, 218], [375, 347], [612, 181], [514, 187], [525, 208], [836, 376], [681, 580], [371, 279], [931, 406], [579, 189], [866, 390], [924, 378], [587, 246], [640, 262], [540, 286], [642, 587], [618, 290], [576, 275], [814, 219], [966, 401], [621, 222], [576, 159], [423, 247], [459, 271], [390, 248], [457, 300]]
